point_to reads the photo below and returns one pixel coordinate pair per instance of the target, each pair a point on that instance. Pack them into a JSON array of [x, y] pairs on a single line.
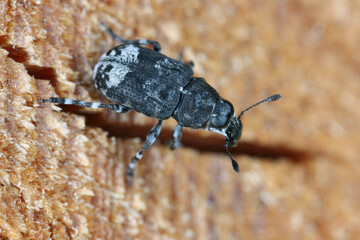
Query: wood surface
[[62, 169]]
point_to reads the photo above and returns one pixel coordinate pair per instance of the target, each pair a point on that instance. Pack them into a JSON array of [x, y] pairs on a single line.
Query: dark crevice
[[38, 72], [19, 55]]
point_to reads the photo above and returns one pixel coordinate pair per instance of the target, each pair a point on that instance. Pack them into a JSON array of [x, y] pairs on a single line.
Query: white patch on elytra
[[118, 60], [129, 54], [117, 75]]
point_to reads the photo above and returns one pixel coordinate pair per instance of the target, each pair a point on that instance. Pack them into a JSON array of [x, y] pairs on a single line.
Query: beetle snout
[[233, 131]]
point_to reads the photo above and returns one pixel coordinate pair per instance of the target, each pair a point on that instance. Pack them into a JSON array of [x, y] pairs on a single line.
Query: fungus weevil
[[144, 80]]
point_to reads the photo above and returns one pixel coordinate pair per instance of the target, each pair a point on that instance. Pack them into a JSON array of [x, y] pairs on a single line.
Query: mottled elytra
[[144, 80]]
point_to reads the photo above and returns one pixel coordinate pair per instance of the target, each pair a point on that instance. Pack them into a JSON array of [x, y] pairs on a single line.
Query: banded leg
[[66, 101], [154, 44], [175, 141], [150, 139]]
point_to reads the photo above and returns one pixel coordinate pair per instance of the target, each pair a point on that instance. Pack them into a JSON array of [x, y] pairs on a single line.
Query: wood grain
[[62, 173]]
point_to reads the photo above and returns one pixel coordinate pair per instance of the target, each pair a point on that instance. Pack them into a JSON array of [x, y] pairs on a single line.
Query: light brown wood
[[62, 173]]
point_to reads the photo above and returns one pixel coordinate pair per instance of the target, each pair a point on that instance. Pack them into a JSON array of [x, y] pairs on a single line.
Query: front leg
[[175, 141]]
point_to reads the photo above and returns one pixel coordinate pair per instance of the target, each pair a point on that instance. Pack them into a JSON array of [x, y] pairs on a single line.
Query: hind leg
[[66, 101]]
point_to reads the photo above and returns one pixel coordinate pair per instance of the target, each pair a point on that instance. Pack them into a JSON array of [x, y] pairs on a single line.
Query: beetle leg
[[181, 59], [175, 141], [190, 64], [150, 139], [156, 46], [66, 101]]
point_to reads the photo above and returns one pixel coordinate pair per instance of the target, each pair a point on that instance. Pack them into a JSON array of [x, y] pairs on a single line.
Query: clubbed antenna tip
[[233, 162], [274, 97]]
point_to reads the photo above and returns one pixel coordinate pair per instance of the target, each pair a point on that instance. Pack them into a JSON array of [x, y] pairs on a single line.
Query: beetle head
[[225, 122]]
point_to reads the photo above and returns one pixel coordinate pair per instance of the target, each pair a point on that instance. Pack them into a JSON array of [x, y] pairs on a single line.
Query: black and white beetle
[[160, 87]]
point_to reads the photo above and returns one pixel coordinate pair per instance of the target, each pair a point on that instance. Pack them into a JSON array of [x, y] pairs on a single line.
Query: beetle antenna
[[273, 98], [234, 163]]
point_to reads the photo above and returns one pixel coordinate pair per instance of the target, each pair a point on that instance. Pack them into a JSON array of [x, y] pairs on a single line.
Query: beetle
[[144, 80]]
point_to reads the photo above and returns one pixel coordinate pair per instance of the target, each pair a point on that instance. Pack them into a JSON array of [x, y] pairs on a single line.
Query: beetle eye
[[218, 121], [221, 114]]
